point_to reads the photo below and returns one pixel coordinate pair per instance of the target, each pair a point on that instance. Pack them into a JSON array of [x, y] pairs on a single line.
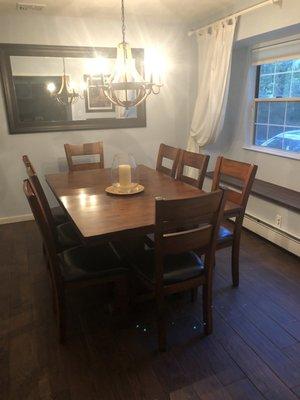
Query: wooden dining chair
[[85, 149], [63, 230], [243, 175], [170, 153], [77, 267], [194, 160], [174, 265], [58, 214]]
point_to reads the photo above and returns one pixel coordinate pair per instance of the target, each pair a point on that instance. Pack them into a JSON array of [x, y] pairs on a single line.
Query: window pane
[[266, 86], [277, 113], [284, 66], [293, 114], [262, 113], [260, 134], [295, 90], [282, 85], [275, 130], [296, 65], [291, 139], [267, 68]]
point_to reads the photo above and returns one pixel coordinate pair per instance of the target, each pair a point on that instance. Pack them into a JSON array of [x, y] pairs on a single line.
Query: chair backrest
[[85, 149], [194, 160], [36, 184], [186, 225], [43, 225], [170, 153], [242, 173]]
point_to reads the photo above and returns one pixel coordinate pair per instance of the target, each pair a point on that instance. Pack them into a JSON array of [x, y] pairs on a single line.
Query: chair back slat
[[179, 242], [241, 172], [39, 191], [42, 223], [85, 149], [187, 224], [170, 153], [193, 160]]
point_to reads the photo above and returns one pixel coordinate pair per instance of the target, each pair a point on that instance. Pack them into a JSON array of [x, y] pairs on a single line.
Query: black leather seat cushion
[[81, 263], [59, 215], [224, 234], [177, 268], [67, 236]]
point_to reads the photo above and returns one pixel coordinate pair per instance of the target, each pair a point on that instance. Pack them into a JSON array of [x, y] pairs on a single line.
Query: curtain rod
[[238, 14]]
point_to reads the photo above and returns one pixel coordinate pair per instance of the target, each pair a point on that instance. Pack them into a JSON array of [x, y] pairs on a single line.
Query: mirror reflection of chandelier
[[125, 87], [66, 94]]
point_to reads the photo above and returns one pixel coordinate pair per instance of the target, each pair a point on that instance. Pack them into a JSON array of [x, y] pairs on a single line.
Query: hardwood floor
[[254, 352]]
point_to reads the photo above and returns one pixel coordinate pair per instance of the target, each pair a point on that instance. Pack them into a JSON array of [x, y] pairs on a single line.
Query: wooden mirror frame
[[16, 126]]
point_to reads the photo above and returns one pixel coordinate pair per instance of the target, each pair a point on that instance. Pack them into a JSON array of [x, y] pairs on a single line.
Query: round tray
[[118, 191]]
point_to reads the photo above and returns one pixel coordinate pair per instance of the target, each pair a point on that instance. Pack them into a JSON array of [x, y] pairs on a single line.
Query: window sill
[[274, 152]]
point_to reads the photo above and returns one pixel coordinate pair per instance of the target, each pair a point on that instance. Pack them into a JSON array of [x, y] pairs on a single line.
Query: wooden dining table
[[98, 215]]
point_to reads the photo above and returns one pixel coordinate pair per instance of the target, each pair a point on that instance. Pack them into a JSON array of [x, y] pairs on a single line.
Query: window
[[277, 106]]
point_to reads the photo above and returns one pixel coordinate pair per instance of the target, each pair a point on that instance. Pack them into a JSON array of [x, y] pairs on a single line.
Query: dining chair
[[193, 160], [85, 149], [185, 230], [243, 175], [58, 213], [170, 153], [78, 266], [63, 230]]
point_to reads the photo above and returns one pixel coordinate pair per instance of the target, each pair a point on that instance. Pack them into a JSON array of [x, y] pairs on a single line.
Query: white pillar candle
[[125, 176]]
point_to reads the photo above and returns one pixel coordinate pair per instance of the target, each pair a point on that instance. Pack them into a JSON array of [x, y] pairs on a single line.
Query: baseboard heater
[[271, 233]]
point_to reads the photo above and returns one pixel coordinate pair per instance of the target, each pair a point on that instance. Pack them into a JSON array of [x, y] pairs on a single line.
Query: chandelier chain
[[123, 20]]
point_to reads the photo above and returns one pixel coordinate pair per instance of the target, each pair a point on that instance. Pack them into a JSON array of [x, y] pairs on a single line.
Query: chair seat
[[67, 236], [83, 263], [59, 215], [177, 268], [224, 235]]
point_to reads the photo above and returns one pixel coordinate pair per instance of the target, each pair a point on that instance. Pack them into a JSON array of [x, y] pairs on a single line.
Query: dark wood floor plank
[[234, 304], [287, 370], [211, 389], [186, 393], [245, 390], [283, 294], [264, 379]]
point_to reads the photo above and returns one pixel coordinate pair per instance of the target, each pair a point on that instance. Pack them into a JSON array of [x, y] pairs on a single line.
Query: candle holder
[[124, 176]]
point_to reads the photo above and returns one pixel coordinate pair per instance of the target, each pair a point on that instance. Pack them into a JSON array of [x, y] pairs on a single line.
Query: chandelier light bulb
[[51, 87]]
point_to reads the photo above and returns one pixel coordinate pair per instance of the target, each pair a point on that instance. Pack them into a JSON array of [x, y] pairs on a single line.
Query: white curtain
[[214, 64]]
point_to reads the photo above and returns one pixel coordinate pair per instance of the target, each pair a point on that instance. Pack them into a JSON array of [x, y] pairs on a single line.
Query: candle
[[125, 176]]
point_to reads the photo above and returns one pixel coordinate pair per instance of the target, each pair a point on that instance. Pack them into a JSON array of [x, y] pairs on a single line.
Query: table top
[[97, 214]]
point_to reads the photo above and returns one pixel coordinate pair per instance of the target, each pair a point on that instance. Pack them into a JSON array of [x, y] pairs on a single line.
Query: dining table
[[98, 215]]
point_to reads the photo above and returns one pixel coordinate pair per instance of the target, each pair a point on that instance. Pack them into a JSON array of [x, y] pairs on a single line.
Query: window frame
[[250, 144]]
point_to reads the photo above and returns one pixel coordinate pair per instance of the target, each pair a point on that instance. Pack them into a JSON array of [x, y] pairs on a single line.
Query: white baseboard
[[273, 234], [16, 218]]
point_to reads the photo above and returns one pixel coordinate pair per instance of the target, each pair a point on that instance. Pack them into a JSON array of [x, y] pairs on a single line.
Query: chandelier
[[66, 94], [125, 87]]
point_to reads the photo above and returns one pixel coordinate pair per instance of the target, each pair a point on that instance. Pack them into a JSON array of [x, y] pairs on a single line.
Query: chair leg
[[161, 324], [121, 293], [207, 309], [61, 315], [194, 294], [235, 256]]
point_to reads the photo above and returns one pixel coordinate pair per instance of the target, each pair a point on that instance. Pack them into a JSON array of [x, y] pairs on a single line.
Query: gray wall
[[167, 114]]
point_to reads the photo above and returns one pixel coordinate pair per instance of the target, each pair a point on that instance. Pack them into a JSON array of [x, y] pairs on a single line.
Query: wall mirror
[[32, 76]]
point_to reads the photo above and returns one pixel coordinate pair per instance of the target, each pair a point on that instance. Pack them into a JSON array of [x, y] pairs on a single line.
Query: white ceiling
[[187, 11]]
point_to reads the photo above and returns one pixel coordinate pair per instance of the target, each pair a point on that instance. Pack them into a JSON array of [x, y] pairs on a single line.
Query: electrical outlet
[[278, 220]]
